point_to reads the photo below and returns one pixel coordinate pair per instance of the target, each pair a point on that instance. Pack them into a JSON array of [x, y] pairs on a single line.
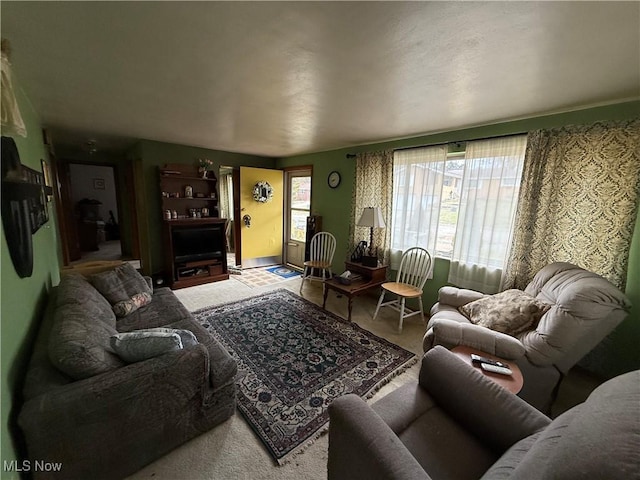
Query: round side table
[[512, 382]]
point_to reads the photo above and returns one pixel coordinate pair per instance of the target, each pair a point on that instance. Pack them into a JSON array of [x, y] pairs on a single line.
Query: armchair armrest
[[450, 333], [456, 297], [361, 445], [492, 413]]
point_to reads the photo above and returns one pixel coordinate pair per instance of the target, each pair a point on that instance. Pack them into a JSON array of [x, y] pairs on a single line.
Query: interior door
[[261, 222], [297, 209], [67, 219]]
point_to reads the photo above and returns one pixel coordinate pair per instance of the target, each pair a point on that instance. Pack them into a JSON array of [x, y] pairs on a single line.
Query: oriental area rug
[[294, 359]]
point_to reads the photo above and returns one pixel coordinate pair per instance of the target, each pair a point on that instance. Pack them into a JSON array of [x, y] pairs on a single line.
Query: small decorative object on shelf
[[262, 192], [205, 166], [187, 193]]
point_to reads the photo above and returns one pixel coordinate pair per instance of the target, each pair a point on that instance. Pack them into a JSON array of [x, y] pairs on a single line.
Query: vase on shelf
[[203, 172]]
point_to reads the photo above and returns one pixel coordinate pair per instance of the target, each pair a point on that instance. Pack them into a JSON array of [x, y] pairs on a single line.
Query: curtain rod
[[477, 139], [353, 155]]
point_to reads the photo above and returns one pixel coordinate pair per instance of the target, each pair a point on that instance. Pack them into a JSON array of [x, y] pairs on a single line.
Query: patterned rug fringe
[[370, 394], [289, 457]]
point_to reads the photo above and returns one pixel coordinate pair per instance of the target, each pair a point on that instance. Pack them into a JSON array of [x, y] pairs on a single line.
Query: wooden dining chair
[[323, 246], [412, 275]]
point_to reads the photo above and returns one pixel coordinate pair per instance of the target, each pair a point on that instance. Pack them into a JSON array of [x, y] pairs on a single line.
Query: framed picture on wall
[[98, 184]]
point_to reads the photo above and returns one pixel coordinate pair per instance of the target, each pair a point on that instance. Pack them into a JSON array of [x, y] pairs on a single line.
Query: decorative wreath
[[262, 192]]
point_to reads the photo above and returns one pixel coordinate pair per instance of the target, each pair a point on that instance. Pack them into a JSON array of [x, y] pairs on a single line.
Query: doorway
[[97, 211], [229, 208], [296, 210], [95, 207]]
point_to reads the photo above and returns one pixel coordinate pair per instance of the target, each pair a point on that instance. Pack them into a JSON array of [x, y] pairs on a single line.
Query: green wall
[[23, 299], [156, 154], [617, 354]]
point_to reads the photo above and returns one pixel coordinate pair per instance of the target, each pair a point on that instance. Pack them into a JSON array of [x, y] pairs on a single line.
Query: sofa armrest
[[183, 372], [132, 414], [456, 297], [450, 333], [361, 445], [492, 413]]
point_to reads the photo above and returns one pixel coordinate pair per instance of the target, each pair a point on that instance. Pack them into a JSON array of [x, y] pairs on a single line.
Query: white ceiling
[[278, 79]]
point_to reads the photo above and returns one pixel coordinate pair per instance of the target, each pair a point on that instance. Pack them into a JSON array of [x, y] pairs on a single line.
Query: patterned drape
[[373, 188], [578, 201]]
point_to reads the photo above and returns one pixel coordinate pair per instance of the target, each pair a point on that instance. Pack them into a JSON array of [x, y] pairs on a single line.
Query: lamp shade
[[371, 217]]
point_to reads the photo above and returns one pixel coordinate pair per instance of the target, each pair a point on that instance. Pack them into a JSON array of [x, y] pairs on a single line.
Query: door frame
[[305, 170], [237, 219], [65, 207]]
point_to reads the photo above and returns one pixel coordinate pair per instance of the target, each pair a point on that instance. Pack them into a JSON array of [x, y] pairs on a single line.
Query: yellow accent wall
[[264, 237]]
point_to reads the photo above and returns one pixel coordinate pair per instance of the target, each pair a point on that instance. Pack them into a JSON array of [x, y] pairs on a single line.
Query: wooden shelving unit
[[175, 182], [197, 225]]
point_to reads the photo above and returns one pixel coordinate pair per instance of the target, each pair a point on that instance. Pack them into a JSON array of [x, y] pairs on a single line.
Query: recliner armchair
[[455, 423], [585, 308]]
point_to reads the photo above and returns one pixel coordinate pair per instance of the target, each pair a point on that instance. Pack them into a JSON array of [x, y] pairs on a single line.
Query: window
[[300, 207], [459, 206]]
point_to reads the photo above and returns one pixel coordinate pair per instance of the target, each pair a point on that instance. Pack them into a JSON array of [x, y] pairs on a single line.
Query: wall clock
[[333, 179]]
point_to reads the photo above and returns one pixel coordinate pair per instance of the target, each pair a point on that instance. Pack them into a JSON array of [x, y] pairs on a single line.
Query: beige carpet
[[231, 450]]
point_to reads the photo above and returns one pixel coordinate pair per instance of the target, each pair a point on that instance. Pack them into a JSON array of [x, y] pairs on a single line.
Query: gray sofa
[[101, 417], [584, 309], [457, 424]]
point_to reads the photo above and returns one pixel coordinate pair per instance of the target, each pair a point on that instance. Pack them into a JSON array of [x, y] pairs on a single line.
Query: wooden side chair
[[412, 275], [323, 246]]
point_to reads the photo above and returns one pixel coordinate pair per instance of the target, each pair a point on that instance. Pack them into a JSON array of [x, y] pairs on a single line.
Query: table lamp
[[371, 217]]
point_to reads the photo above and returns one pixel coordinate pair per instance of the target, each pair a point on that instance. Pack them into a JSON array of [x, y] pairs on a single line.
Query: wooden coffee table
[[513, 382], [372, 277]]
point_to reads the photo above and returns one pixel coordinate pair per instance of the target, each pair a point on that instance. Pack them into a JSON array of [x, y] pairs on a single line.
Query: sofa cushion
[[124, 288], [83, 322], [143, 344], [511, 312], [76, 289]]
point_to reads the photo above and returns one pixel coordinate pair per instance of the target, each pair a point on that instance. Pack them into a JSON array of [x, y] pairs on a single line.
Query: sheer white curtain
[[418, 177], [226, 196], [490, 186]]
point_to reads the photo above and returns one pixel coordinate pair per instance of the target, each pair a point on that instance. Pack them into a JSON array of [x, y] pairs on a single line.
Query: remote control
[[495, 369], [478, 359]]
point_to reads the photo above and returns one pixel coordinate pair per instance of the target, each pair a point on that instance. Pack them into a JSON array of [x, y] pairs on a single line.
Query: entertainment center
[[194, 235]]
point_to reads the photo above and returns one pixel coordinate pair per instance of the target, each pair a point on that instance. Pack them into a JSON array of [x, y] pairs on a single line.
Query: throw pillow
[[187, 336], [511, 312], [143, 344], [124, 288], [125, 307]]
